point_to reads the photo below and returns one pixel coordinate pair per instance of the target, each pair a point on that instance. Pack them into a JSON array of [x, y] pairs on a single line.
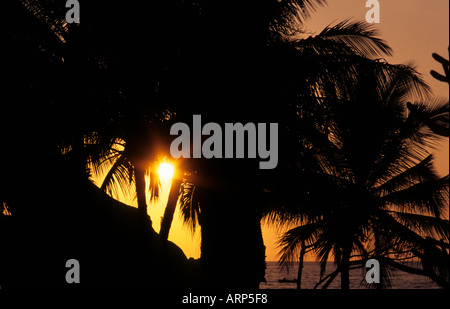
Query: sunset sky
[[413, 28]]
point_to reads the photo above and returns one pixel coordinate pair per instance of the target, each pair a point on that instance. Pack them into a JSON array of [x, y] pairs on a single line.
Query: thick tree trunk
[[232, 248], [166, 222]]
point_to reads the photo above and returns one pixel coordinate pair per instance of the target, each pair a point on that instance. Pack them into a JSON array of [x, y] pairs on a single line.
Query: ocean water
[[311, 275]]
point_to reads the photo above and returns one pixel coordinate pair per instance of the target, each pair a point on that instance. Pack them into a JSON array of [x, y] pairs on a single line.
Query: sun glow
[[165, 171]]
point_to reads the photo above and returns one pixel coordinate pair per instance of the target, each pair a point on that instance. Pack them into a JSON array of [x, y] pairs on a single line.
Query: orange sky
[[413, 28]]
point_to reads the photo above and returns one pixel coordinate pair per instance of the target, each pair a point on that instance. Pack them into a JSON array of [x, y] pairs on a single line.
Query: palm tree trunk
[[345, 269], [300, 266], [139, 175], [166, 222]]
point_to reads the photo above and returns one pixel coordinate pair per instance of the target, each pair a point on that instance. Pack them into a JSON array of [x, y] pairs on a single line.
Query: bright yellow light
[[165, 171]]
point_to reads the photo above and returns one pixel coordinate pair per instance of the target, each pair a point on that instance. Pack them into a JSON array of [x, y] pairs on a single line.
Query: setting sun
[[165, 171]]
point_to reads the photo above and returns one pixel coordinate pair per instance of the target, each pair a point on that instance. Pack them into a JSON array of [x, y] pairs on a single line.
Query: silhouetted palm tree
[[367, 184]]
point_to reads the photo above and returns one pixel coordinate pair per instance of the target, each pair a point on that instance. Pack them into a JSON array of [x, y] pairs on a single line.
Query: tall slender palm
[[369, 155]]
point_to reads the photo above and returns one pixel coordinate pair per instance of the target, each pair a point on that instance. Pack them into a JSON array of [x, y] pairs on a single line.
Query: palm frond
[[399, 84], [422, 171], [430, 226], [50, 12], [189, 205], [404, 80], [120, 176], [323, 249], [399, 237], [433, 114], [359, 36], [291, 242], [288, 15]]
